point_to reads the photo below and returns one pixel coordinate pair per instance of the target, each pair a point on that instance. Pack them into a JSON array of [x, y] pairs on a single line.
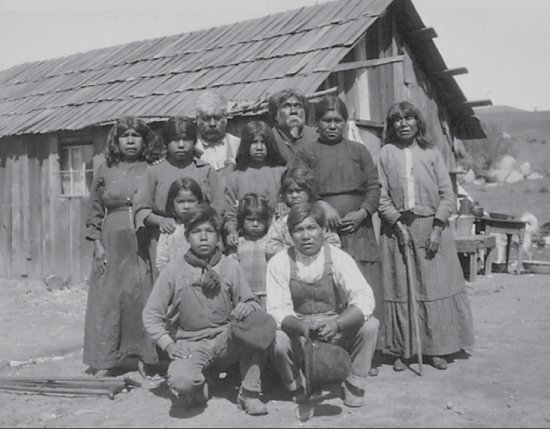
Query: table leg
[[489, 255], [508, 246], [473, 266]]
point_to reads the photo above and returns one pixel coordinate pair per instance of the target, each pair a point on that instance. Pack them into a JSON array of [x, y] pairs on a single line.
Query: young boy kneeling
[[207, 289]]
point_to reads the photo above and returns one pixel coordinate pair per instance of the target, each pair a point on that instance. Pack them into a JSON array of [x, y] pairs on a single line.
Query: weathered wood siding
[[42, 232]]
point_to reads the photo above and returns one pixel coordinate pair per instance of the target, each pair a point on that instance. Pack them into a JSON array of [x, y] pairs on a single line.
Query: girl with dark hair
[[349, 190], [297, 186], [254, 214], [258, 170], [183, 194], [179, 135], [120, 281], [416, 202]]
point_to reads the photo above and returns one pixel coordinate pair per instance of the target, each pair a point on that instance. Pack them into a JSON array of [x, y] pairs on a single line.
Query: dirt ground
[[503, 382]]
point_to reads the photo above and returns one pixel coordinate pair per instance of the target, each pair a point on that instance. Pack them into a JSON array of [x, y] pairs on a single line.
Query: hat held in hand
[[257, 330]]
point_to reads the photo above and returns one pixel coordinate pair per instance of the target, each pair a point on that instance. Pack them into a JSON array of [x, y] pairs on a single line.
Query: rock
[[497, 176], [47, 416], [506, 163], [534, 176], [470, 176], [479, 181], [514, 177], [525, 168]]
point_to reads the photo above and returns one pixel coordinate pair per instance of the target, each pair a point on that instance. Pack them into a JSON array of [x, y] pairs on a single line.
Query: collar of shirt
[[202, 144]]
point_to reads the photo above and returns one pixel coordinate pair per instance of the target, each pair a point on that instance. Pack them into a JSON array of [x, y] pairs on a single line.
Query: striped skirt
[[443, 307]]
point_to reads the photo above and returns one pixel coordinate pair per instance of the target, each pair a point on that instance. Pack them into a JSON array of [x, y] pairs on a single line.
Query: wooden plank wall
[[42, 233]]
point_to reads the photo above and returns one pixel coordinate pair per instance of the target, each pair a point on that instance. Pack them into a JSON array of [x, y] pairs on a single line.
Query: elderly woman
[[416, 202], [348, 184], [287, 109], [121, 278]]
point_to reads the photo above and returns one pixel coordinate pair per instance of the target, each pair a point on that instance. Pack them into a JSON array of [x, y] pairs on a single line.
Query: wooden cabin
[[55, 114]]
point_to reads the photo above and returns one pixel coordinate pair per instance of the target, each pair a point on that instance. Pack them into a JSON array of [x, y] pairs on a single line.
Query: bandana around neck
[[211, 280]]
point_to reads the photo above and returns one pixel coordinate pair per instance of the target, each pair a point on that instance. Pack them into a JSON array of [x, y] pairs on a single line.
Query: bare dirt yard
[[503, 382]]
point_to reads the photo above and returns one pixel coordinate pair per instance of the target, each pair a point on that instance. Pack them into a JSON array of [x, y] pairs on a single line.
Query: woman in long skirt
[[416, 202], [121, 278]]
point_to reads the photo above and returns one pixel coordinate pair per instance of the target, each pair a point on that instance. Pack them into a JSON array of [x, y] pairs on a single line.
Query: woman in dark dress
[[121, 278], [348, 185]]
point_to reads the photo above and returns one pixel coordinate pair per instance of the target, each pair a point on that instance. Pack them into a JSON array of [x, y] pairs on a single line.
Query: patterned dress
[[113, 328]]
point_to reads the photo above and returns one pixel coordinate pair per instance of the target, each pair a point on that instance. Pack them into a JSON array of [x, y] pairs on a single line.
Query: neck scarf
[[210, 280]]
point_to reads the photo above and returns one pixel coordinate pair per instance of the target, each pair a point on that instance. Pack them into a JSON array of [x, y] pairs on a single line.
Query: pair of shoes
[[353, 395], [250, 403], [373, 372], [439, 363], [399, 365]]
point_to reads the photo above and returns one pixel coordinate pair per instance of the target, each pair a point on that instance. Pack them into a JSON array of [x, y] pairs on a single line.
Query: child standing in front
[[254, 213], [183, 194], [297, 186]]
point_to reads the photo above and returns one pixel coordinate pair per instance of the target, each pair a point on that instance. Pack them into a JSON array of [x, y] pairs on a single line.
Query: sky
[[503, 43]]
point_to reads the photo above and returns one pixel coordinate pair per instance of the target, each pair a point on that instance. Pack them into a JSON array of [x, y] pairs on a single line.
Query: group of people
[[196, 230]]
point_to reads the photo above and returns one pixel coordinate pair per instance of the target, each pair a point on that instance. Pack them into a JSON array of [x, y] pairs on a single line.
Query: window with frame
[[76, 169]]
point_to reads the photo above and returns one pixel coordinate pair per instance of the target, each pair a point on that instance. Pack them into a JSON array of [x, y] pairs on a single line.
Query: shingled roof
[[161, 77]]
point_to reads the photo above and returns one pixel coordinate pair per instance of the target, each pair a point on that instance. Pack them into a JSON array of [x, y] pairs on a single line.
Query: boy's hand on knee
[[176, 351]]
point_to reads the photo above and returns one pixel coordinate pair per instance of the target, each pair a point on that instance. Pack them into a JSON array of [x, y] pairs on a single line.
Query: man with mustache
[[214, 145], [288, 112]]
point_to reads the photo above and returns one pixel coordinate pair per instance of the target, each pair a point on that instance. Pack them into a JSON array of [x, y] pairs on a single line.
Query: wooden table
[[470, 245], [509, 227]]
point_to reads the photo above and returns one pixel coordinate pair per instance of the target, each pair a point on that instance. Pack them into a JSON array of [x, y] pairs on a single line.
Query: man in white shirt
[[317, 290], [214, 144]]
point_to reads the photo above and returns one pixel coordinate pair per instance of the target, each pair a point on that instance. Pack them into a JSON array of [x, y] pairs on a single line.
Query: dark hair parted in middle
[[253, 204], [280, 97], [302, 177], [301, 211], [328, 103], [405, 109], [151, 141], [252, 130], [179, 128], [201, 213], [187, 184]]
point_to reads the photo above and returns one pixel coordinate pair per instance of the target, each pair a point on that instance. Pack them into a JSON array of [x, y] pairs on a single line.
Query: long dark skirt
[[444, 313], [113, 327]]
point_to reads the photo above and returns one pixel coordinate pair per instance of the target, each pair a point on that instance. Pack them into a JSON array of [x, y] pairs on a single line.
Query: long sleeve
[[278, 298], [277, 237], [447, 200], [231, 203], [217, 198], [347, 274], [386, 208], [155, 312], [144, 198], [163, 251], [372, 187], [96, 212]]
